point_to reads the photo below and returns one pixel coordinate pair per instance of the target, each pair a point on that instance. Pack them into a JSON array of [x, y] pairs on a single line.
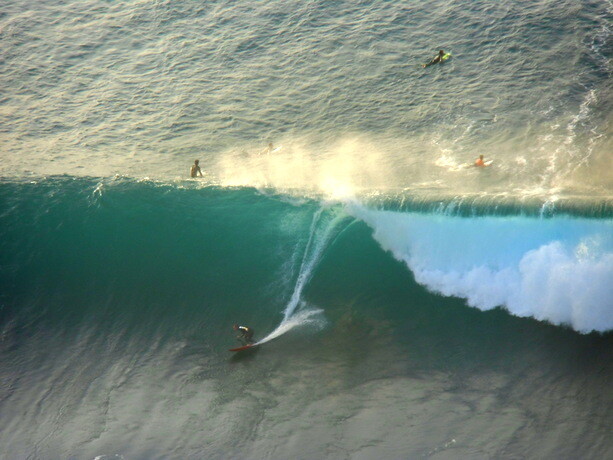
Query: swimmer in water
[[480, 163]]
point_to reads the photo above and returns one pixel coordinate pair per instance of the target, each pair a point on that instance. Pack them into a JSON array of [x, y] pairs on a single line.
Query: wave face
[[120, 246], [119, 238], [110, 287]]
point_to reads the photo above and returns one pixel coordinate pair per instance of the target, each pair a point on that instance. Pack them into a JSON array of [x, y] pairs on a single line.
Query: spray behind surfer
[[323, 229]]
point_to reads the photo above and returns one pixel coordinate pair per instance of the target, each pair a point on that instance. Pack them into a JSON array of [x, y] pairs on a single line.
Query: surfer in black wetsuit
[[438, 58], [245, 333]]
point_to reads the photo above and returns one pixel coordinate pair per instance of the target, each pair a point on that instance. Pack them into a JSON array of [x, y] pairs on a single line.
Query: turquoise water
[[408, 304]]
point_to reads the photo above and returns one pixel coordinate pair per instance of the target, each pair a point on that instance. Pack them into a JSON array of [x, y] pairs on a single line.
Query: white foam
[[309, 317], [296, 312], [558, 270]]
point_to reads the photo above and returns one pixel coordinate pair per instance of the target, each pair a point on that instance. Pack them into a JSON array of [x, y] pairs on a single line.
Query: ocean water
[[407, 304]]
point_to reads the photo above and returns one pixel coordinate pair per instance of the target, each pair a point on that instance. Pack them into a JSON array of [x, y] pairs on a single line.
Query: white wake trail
[[324, 227]]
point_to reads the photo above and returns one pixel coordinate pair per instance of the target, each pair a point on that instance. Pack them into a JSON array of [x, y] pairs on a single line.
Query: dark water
[[117, 304]]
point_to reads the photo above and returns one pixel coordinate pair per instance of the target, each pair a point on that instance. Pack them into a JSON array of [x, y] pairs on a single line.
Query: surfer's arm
[[433, 61]]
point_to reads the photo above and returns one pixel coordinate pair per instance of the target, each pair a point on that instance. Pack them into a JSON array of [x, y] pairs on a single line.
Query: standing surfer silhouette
[[245, 334]]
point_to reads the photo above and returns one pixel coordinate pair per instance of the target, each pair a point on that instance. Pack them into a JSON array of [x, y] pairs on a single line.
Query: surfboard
[[268, 152], [244, 347], [443, 59]]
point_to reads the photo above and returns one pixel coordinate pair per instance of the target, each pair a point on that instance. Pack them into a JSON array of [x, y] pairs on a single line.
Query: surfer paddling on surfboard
[[440, 57], [245, 334]]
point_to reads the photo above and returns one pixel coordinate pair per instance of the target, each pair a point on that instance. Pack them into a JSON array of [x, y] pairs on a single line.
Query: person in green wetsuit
[[438, 58]]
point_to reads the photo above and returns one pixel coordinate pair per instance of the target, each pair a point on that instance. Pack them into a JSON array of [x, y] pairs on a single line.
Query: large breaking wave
[[558, 269]]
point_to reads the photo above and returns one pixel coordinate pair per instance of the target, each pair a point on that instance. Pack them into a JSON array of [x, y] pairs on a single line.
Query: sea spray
[[325, 226], [306, 317]]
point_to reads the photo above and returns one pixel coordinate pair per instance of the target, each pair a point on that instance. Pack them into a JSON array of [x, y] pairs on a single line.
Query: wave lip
[[558, 270]]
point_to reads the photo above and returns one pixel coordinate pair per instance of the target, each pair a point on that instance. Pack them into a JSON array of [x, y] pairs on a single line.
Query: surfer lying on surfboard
[[245, 334], [440, 57]]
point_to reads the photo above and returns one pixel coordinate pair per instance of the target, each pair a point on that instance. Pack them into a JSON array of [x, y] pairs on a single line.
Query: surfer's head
[[441, 52], [196, 162], [235, 327]]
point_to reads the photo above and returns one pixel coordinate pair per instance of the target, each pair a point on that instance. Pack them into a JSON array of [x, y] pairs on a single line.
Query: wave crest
[[558, 270]]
